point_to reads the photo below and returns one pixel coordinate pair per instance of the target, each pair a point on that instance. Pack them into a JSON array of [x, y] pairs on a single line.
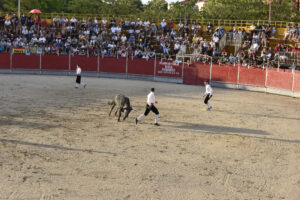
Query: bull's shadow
[[215, 129]]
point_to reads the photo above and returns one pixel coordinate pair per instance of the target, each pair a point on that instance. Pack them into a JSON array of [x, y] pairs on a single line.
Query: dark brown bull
[[123, 104]]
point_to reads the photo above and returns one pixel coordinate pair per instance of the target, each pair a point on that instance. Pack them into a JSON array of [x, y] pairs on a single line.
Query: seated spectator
[[209, 28]]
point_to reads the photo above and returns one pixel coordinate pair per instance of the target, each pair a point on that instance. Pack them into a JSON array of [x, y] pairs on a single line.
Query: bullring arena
[[57, 142]]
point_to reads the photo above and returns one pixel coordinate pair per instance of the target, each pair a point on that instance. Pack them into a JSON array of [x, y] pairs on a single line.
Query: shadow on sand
[[224, 130], [52, 146], [10, 122], [215, 129], [256, 115]]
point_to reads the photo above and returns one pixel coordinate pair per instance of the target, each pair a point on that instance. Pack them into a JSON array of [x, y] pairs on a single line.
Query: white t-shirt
[[42, 39], [7, 22], [208, 89], [163, 24], [78, 71], [123, 38], [151, 98], [147, 23], [73, 20], [104, 21]]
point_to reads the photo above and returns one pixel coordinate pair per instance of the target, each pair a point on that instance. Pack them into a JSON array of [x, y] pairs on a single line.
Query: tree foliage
[[283, 10], [187, 10], [249, 9], [156, 8]]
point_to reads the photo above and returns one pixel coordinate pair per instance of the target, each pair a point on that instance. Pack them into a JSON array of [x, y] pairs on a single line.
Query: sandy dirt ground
[[57, 142]]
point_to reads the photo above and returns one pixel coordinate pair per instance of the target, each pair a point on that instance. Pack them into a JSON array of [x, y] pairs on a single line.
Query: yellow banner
[[18, 50]]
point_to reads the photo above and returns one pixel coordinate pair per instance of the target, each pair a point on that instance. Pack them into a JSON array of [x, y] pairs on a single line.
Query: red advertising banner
[[280, 80], [54, 62], [225, 73], [22, 61], [251, 76], [4, 60], [141, 66], [113, 65], [168, 69], [87, 63]]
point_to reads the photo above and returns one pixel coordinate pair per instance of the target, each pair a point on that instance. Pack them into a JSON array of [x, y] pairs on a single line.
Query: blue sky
[[169, 1]]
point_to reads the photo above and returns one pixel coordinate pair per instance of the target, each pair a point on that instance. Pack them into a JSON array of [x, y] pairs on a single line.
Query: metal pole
[[10, 65], [266, 81], [210, 71], [238, 76], [40, 63], [293, 84], [182, 71], [69, 64], [270, 10], [19, 9], [127, 65], [154, 73], [278, 65], [98, 65]]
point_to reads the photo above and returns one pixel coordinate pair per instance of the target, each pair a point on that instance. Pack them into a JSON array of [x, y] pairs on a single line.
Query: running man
[[150, 107], [78, 77], [208, 93]]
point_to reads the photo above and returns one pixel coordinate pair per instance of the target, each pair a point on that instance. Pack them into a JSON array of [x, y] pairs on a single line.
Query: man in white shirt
[[78, 77], [150, 107], [208, 93]]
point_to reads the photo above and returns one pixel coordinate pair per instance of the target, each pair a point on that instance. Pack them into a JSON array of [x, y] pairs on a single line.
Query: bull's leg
[[112, 107], [119, 115]]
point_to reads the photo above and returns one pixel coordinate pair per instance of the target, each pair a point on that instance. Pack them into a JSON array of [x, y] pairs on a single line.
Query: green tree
[[249, 9], [184, 11], [156, 8], [85, 6], [122, 7]]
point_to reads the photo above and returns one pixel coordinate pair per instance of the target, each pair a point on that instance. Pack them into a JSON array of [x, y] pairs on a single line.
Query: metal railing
[[222, 43], [234, 39], [158, 19], [288, 58]]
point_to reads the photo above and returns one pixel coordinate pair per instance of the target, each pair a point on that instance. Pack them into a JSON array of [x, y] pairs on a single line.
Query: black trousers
[[78, 79], [152, 108], [207, 98]]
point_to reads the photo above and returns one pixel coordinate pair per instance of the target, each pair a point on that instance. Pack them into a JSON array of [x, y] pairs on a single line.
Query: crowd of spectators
[[137, 38], [94, 36], [256, 49]]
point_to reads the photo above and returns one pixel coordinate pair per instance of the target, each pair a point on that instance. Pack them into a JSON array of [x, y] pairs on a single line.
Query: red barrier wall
[[113, 65], [297, 81], [86, 63], [21, 61], [252, 76], [196, 73], [4, 60], [168, 69], [224, 73], [54, 62], [281, 80], [190, 75], [141, 66]]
